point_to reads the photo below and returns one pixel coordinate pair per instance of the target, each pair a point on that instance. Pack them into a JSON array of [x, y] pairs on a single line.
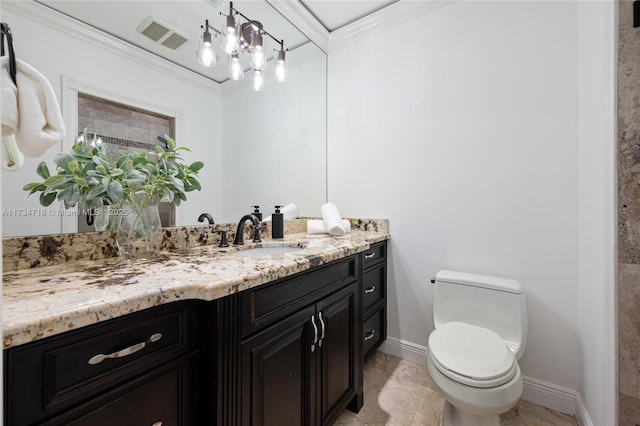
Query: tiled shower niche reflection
[[123, 128]]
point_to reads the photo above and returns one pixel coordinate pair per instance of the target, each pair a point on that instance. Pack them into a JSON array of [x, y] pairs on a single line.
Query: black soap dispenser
[[277, 224], [256, 212]]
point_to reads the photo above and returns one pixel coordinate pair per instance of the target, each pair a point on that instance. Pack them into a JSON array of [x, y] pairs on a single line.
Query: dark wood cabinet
[[337, 352], [285, 353], [374, 293], [78, 376], [302, 369], [276, 384]]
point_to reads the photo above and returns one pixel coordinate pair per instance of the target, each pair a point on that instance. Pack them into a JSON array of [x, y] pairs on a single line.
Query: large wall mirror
[[259, 148]]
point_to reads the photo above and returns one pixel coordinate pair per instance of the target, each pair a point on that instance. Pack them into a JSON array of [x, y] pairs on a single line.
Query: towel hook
[[6, 30]]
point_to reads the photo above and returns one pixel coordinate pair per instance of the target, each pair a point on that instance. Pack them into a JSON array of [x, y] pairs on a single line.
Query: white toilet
[[480, 334]]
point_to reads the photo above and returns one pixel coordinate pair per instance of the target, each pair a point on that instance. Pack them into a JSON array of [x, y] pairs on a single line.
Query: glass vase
[[138, 230]]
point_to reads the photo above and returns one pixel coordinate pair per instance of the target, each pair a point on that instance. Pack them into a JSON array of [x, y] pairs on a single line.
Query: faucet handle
[[223, 237], [256, 233]]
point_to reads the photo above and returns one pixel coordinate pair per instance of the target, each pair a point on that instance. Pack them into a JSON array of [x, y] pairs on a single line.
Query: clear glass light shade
[[206, 54], [258, 80], [235, 67], [229, 43], [280, 71], [258, 51]]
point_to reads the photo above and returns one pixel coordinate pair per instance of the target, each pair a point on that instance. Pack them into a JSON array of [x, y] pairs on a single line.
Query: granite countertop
[[45, 301]]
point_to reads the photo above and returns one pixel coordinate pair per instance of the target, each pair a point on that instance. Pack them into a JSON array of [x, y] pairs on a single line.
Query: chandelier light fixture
[[237, 37]]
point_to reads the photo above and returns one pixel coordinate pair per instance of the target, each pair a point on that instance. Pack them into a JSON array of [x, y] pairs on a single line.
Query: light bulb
[[229, 43], [258, 80], [235, 67], [258, 48], [206, 54], [280, 70]]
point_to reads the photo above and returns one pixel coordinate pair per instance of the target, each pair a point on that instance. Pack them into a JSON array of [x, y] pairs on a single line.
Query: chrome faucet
[[207, 216], [239, 239]]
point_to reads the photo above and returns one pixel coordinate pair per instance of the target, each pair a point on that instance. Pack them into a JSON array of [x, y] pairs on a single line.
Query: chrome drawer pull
[[322, 333], [370, 255], [370, 290], [97, 359], [157, 424], [315, 333], [370, 335]]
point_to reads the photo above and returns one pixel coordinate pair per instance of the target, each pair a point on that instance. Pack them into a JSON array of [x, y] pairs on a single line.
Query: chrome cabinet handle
[[97, 359], [370, 290], [315, 333], [157, 424], [322, 333], [370, 335], [370, 255]]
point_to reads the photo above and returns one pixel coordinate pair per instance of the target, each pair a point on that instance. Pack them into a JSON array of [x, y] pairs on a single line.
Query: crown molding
[[391, 16], [303, 20], [52, 19]]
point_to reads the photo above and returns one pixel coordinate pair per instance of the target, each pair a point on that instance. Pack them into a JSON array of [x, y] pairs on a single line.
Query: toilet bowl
[[472, 354]]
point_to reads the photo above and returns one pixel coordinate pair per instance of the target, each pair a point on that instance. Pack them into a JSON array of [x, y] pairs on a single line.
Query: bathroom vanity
[[197, 337]]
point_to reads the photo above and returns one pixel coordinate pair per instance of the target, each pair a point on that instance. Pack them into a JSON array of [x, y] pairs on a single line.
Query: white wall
[[277, 146], [54, 53], [597, 214], [460, 126]]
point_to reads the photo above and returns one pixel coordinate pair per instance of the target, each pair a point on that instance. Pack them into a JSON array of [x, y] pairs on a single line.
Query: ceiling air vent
[[163, 33]]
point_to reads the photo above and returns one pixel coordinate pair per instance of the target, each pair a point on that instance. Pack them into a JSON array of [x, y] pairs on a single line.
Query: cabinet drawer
[[55, 374], [268, 303], [373, 331], [377, 253], [373, 285], [155, 404]]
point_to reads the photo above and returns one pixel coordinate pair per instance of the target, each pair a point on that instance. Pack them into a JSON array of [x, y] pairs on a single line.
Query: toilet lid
[[471, 351]]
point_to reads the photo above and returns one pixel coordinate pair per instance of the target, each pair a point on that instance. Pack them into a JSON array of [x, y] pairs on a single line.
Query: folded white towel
[[317, 226], [40, 124], [12, 158], [8, 95], [332, 219], [290, 211]]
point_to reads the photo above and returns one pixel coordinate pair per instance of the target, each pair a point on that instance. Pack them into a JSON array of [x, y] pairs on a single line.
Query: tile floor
[[400, 393]]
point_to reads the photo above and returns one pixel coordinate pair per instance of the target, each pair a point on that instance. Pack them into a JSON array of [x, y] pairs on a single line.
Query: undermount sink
[[267, 251]]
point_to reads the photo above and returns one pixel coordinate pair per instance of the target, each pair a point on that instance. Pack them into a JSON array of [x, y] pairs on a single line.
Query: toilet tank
[[491, 302]]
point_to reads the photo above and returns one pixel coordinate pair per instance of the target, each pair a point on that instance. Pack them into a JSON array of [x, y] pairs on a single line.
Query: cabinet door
[[338, 317], [277, 385]]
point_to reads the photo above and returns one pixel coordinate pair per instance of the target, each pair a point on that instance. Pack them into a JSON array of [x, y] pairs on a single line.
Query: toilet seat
[[472, 355]]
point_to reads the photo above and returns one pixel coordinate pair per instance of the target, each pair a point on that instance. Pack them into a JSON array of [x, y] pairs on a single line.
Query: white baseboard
[[581, 412], [549, 395], [539, 392], [404, 350]]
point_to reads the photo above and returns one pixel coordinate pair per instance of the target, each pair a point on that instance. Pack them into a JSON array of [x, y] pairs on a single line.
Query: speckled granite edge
[[46, 301], [46, 250]]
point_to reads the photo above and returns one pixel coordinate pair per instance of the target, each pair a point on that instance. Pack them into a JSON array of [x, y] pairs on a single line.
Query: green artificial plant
[[138, 179]]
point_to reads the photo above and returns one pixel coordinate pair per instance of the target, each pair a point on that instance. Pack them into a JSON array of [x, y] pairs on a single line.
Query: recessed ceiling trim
[[60, 22], [349, 15], [303, 20], [390, 16]]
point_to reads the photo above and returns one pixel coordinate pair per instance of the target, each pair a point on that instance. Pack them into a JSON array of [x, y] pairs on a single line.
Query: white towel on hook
[[40, 124], [12, 158], [9, 98]]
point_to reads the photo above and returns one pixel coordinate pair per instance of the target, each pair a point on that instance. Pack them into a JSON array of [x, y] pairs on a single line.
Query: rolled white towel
[[332, 220], [290, 211], [40, 121], [317, 226], [9, 97], [12, 158]]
